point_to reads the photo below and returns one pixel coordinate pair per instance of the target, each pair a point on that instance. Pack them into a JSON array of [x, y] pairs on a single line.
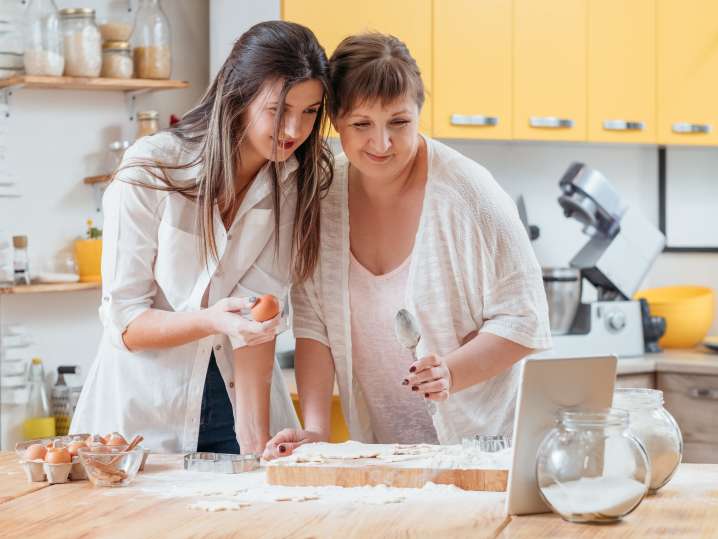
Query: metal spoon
[[406, 329]]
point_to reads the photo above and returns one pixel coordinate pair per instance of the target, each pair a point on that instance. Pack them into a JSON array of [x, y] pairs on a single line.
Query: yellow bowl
[[688, 311]]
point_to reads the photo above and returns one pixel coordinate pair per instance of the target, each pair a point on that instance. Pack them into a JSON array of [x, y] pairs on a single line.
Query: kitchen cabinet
[[642, 380], [549, 73], [409, 20], [687, 71], [621, 71], [692, 399], [472, 69]]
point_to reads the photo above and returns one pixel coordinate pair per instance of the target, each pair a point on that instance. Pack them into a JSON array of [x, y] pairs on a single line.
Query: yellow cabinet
[[621, 71], [687, 48], [472, 69], [549, 79], [409, 20]]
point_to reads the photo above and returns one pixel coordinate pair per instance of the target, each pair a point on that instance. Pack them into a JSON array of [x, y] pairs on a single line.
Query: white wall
[[56, 139]]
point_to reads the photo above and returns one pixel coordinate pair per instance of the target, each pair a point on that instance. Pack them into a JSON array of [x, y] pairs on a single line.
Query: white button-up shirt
[[151, 258]]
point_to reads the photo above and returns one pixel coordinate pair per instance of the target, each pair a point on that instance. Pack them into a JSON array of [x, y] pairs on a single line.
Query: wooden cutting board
[[367, 472]]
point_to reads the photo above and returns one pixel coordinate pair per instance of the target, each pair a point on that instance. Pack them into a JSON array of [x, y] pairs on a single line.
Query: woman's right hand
[[224, 317], [287, 440]]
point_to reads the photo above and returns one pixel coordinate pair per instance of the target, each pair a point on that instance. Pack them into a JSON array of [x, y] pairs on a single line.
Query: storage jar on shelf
[[151, 42], [43, 40], [82, 42], [117, 60]]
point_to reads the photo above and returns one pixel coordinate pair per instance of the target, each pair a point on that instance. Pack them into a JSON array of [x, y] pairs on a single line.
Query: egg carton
[[39, 471]]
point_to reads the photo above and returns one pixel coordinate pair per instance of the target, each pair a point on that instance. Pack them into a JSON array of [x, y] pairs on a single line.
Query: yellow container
[[88, 255], [688, 311], [38, 427]]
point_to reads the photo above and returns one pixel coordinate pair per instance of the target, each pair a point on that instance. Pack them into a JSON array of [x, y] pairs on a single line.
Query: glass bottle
[[21, 261], [43, 39], [151, 42], [38, 421], [116, 21], [655, 428], [147, 123], [591, 468], [82, 42]]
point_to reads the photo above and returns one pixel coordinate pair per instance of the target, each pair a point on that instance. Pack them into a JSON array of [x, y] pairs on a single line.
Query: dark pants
[[216, 426]]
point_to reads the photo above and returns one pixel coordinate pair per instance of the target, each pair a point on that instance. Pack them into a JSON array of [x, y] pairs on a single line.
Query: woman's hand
[[224, 317], [287, 440], [430, 377]]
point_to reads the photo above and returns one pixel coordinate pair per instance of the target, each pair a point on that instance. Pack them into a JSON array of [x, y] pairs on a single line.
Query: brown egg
[[116, 439], [58, 455], [35, 452], [266, 308], [74, 447]]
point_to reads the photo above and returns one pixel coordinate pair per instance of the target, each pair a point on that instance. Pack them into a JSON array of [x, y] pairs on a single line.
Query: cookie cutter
[[221, 462]]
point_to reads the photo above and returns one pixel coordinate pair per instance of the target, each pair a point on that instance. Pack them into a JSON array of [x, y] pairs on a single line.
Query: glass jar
[[21, 261], [117, 60], [82, 42], [591, 468], [655, 428], [116, 21], [147, 123], [151, 42], [43, 40]]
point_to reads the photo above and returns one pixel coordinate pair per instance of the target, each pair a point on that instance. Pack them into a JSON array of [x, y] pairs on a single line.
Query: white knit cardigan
[[472, 269]]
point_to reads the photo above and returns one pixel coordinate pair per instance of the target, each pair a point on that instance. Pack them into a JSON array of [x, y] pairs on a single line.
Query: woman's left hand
[[430, 377]]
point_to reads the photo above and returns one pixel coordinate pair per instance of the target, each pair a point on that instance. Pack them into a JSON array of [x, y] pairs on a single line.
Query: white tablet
[[548, 385]]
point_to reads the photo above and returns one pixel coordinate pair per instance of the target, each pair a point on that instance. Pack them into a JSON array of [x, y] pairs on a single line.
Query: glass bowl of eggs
[[111, 466]]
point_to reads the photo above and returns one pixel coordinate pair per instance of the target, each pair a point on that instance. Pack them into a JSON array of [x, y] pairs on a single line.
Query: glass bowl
[[111, 466]]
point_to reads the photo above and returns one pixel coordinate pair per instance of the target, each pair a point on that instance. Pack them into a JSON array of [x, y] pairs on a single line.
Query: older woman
[[410, 223]]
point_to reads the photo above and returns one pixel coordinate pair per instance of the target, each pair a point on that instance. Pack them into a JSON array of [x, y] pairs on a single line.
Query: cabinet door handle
[[623, 125], [551, 122], [685, 127], [703, 393], [473, 119]]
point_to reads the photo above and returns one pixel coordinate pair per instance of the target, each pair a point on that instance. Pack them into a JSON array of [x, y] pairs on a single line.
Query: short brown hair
[[372, 66]]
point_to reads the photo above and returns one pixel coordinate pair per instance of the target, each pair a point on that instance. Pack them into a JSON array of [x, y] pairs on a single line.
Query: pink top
[[398, 415]]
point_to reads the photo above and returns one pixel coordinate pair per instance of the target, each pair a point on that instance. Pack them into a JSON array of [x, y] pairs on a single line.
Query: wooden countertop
[[687, 507]]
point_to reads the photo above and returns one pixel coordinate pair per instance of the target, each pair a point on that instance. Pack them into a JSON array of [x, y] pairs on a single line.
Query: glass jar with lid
[[117, 60], [43, 39], [655, 428], [151, 42], [147, 123], [116, 20], [591, 468], [82, 42]]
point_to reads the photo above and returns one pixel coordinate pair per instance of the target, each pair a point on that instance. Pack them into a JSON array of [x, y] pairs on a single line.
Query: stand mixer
[[621, 248]]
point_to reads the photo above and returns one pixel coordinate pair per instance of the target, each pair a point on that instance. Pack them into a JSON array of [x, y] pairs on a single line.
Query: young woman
[[199, 221], [410, 223]]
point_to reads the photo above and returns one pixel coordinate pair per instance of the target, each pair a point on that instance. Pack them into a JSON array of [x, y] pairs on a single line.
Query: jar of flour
[[656, 429], [591, 468]]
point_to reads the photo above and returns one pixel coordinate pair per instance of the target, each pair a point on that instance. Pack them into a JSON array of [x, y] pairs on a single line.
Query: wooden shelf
[[92, 180], [54, 287], [83, 83]]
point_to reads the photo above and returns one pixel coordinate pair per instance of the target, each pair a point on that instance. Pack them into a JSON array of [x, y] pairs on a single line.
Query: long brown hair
[[268, 52], [372, 66]]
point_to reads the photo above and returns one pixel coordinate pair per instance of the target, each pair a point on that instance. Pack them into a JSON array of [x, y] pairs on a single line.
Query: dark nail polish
[[405, 382], [413, 369], [426, 395], [415, 388], [282, 449]]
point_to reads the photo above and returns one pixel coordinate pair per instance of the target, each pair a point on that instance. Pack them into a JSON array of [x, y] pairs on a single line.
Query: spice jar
[[82, 42], [655, 428], [147, 123], [151, 42], [591, 468], [43, 39], [117, 60]]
